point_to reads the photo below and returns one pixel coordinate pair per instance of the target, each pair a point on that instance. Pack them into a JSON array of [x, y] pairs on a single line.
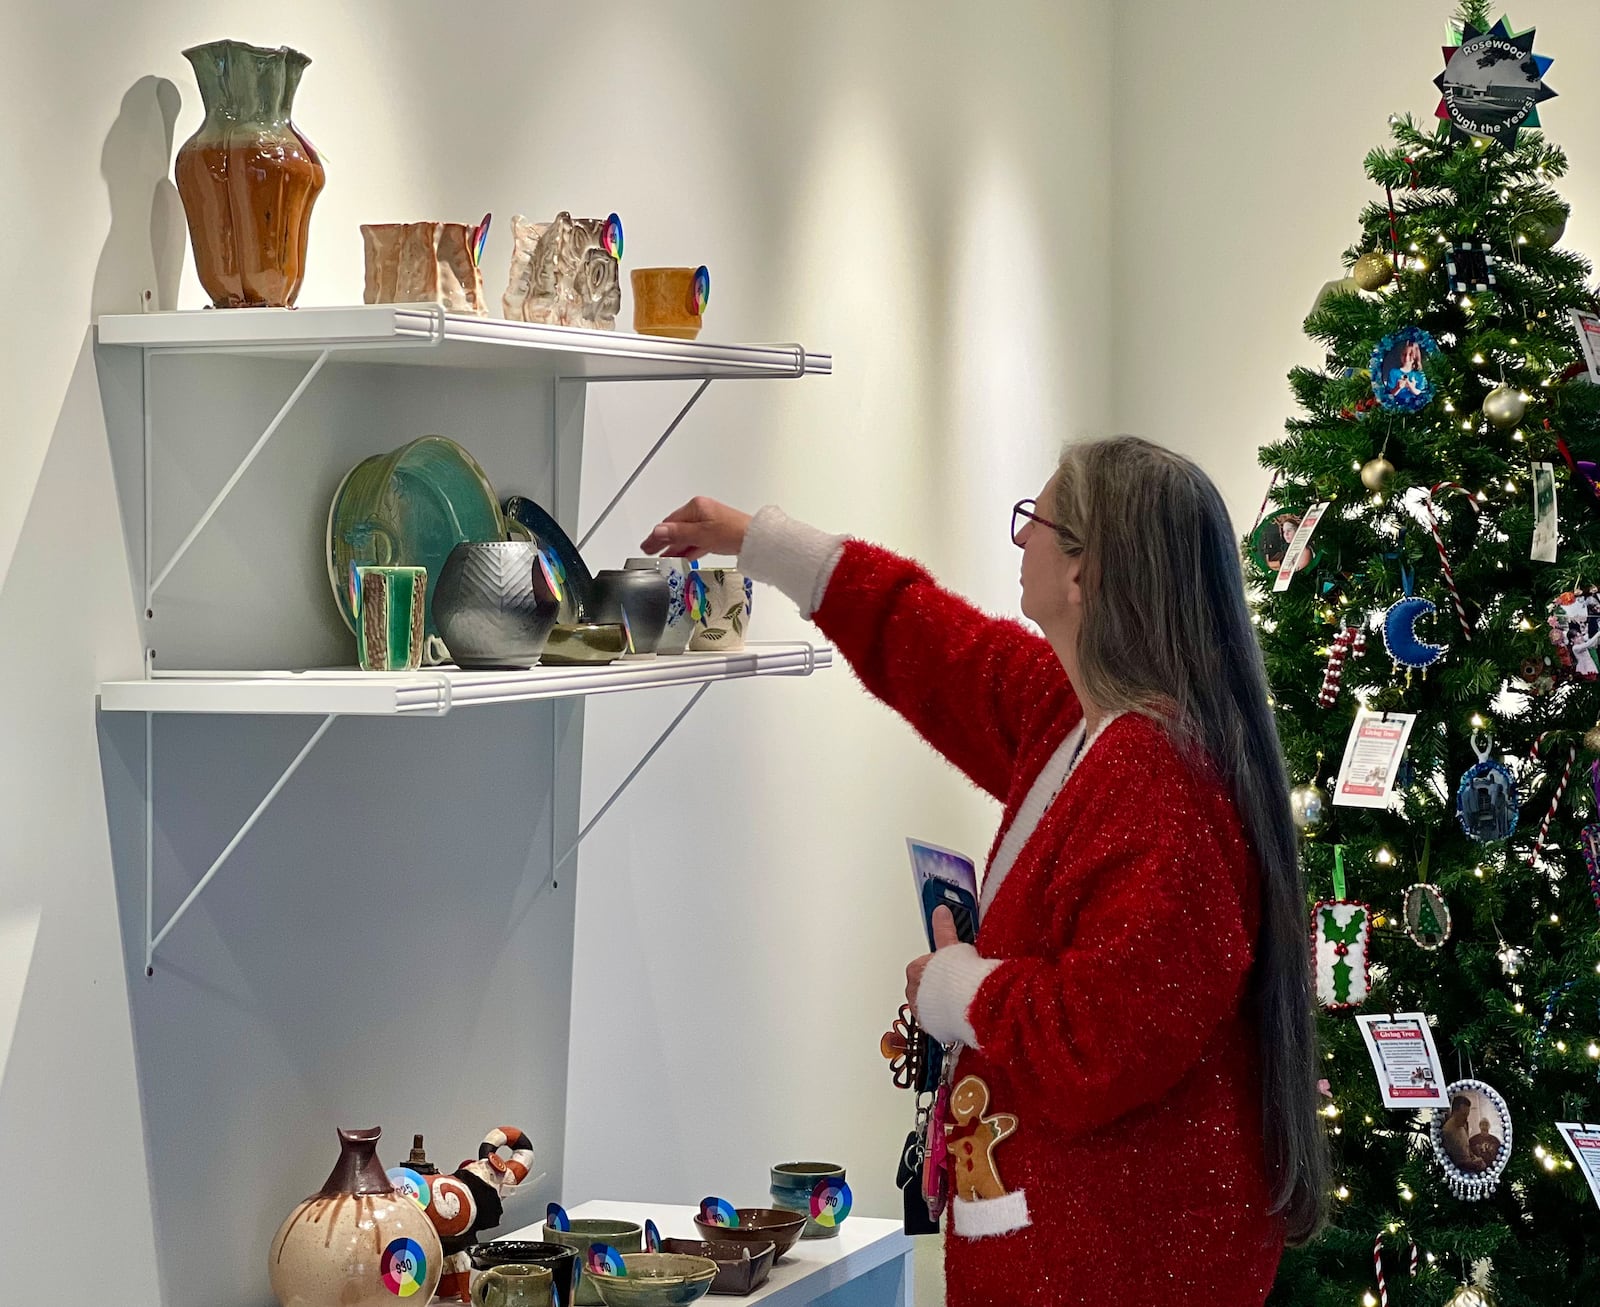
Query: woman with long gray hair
[[1133, 1110]]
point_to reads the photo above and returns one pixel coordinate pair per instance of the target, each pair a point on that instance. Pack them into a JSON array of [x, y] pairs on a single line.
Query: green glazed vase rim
[[206, 48]]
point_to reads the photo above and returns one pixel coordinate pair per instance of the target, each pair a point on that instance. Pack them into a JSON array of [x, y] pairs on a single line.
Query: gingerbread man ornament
[[972, 1139]]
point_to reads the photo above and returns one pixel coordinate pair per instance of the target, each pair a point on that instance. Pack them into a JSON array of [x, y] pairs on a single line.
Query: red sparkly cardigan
[[1110, 1022]]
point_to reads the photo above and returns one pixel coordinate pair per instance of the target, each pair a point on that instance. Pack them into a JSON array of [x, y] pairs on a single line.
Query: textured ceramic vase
[[637, 597], [675, 639], [565, 273], [792, 1186], [495, 604], [719, 601], [248, 178], [390, 603], [423, 263], [357, 1242]]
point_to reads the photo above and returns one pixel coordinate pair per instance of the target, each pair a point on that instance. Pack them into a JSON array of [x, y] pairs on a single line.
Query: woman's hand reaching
[[700, 527]]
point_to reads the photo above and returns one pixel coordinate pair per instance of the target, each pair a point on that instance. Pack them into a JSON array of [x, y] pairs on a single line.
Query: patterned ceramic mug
[[719, 601]]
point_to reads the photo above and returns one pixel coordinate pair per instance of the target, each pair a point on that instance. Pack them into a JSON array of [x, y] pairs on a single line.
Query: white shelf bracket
[[644, 463], [152, 937], [556, 866], [227, 489]]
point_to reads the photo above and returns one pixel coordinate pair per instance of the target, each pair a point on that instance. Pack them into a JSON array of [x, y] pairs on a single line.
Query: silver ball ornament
[[1546, 234], [1377, 474], [1591, 738], [1504, 406], [1308, 806]]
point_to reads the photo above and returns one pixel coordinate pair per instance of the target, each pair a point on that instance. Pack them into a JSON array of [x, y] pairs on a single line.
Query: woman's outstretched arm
[[972, 685]]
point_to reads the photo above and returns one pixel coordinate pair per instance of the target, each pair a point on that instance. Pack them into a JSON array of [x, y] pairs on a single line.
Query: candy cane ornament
[[1444, 560], [1377, 1267], [1561, 789], [1350, 642]]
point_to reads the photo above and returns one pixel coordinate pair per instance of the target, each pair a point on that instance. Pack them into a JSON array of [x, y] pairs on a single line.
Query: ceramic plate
[[409, 508], [577, 585]]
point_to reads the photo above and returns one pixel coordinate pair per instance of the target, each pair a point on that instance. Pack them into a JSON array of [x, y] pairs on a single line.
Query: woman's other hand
[[944, 935], [700, 527]]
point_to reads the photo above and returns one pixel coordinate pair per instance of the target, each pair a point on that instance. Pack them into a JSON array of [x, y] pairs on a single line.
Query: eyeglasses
[[1022, 513]]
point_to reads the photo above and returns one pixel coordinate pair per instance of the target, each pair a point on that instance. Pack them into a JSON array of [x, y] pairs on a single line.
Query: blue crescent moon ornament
[[1400, 634]]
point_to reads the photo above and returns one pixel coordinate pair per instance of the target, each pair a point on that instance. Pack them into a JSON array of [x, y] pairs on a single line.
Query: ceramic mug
[[718, 599], [390, 604], [560, 1260], [792, 1186], [624, 1236], [670, 301], [515, 1285], [675, 639]]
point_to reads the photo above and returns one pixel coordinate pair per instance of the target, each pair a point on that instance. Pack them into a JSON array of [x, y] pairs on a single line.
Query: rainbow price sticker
[[404, 1268], [611, 237], [605, 1260], [652, 1237], [555, 1216], [830, 1202], [718, 1211], [702, 288], [412, 1185]]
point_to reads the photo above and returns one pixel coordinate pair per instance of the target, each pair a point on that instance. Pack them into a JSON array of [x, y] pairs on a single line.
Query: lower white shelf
[[432, 692], [815, 1267]]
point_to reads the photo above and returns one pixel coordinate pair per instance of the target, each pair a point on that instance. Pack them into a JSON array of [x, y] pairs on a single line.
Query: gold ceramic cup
[[670, 301]]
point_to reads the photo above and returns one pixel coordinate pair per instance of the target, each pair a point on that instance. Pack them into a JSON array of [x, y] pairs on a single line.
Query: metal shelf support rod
[[629, 779], [154, 942], [238, 473], [644, 463]]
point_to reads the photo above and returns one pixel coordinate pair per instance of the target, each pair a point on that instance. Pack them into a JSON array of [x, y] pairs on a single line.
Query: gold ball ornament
[[1504, 406], [1373, 271], [1469, 1295], [1308, 806], [1546, 234], [1591, 738], [1377, 474]]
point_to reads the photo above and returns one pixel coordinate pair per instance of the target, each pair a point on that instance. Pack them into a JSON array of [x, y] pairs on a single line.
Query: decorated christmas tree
[[1429, 559]]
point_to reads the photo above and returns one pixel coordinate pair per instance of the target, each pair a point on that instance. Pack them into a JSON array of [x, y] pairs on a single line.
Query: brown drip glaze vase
[[248, 178], [356, 1242]]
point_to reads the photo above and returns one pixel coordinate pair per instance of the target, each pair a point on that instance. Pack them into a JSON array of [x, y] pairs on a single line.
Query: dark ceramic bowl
[[656, 1280], [560, 1260], [757, 1226], [740, 1271]]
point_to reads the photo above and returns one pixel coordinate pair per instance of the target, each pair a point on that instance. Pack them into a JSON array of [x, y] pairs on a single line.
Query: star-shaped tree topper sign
[[1492, 83]]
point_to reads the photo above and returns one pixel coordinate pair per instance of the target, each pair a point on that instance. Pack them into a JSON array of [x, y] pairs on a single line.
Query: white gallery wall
[[922, 189]]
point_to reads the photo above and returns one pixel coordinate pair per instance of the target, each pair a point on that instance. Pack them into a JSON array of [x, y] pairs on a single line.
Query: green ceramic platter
[[409, 508]]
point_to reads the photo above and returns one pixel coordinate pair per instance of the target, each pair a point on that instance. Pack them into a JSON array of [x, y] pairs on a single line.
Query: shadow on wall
[[143, 253]]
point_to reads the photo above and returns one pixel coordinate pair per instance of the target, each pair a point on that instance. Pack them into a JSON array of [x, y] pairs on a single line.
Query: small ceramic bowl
[[625, 1236], [757, 1226], [656, 1280], [592, 645], [740, 1271]]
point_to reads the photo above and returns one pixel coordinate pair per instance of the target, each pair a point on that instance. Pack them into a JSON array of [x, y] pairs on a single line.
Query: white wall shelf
[[426, 335], [432, 692]]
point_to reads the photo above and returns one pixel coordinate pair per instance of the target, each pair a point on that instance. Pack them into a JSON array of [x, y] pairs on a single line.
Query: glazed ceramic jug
[[356, 1242], [248, 178]]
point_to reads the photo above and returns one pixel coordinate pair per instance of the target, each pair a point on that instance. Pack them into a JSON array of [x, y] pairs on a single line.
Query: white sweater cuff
[[796, 558], [949, 984]]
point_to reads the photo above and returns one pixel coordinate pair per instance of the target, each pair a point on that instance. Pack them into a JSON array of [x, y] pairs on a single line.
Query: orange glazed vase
[[248, 178]]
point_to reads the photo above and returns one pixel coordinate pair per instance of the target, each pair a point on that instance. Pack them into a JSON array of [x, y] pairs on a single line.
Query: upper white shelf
[[425, 334], [432, 692]]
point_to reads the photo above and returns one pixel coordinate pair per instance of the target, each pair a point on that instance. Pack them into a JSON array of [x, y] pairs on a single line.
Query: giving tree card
[[1403, 1055]]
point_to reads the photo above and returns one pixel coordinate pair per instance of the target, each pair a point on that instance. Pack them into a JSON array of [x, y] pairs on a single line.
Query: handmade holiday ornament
[[1472, 1140], [1373, 271], [1492, 84], [1341, 930], [1505, 406], [1469, 266], [1487, 799], [1575, 631], [1406, 648], [1351, 642], [1377, 474], [1399, 381], [1426, 916]]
